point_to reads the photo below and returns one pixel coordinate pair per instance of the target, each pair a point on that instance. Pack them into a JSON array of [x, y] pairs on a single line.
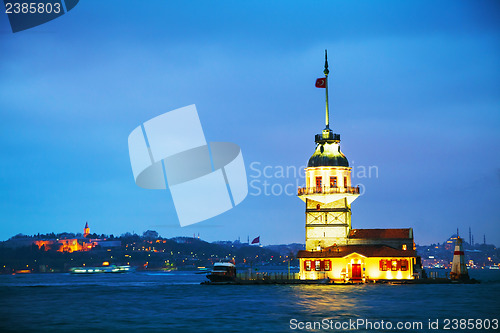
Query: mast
[[326, 71], [327, 134]]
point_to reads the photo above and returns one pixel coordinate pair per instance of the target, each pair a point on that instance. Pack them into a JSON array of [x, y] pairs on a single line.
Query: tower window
[[345, 182], [333, 181], [404, 247], [318, 183]]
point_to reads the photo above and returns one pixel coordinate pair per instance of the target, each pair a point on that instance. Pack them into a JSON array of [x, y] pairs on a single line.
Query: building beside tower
[[333, 249]]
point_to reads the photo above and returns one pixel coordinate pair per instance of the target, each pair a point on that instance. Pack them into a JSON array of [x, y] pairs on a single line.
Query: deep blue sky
[[415, 91]]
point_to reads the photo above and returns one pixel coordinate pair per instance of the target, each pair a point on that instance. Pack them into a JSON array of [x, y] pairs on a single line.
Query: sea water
[[177, 302]]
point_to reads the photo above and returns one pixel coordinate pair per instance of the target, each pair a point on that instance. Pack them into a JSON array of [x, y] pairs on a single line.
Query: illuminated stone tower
[[328, 193], [86, 230]]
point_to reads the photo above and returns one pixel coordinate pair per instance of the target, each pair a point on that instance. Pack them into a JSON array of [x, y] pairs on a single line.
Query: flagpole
[[326, 71]]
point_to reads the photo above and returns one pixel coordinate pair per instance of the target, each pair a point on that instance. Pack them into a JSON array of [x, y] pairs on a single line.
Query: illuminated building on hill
[[333, 249], [76, 244], [450, 242], [86, 230]]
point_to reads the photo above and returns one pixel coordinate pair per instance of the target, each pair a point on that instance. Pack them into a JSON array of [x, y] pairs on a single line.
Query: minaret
[[328, 193], [86, 230], [458, 267]]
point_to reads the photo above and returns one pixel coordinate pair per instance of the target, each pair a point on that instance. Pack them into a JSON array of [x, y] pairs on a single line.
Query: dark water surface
[[176, 302]]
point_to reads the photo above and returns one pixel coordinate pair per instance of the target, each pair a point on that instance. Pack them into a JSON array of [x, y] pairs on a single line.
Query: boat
[[202, 270], [222, 272], [102, 269]]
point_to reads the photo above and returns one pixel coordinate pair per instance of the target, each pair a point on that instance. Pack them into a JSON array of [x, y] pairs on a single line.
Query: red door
[[356, 272]]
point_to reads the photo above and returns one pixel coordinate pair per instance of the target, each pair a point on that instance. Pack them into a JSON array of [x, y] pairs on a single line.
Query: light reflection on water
[[171, 302], [319, 300]]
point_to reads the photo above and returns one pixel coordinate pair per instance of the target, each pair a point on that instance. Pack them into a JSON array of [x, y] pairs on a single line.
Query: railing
[[330, 136], [265, 276], [327, 190], [438, 275]]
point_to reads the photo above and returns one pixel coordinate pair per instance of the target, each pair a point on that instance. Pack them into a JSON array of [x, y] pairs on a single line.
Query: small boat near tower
[[223, 272]]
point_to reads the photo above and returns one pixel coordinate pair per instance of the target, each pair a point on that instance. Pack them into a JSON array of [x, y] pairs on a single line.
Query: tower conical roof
[[328, 154]]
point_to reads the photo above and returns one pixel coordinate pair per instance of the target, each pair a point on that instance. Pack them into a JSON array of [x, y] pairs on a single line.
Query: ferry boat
[[103, 269], [202, 270], [222, 272]]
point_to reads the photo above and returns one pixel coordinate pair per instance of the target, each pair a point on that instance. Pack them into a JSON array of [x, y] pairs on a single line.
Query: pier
[[252, 278], [275, 278]]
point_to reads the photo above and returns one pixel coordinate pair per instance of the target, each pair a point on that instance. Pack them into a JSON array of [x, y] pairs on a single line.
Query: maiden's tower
[[334, 249]]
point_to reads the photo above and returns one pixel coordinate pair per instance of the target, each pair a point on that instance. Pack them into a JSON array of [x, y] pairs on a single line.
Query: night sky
[[414, 94]]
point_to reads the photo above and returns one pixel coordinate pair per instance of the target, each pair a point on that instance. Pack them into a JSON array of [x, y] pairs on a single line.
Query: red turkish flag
[[321, 82]]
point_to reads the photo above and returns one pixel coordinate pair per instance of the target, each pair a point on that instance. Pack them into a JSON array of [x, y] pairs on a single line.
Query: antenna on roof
[[326, 72]]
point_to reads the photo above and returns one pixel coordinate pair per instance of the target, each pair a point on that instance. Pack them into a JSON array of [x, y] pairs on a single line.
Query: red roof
[[365, 250], [380, 233]]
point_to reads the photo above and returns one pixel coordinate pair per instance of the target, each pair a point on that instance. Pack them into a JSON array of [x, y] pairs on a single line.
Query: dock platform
[[293, 279]]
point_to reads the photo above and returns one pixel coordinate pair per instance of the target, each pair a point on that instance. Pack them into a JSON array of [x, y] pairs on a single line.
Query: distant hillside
[[144, 252]]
